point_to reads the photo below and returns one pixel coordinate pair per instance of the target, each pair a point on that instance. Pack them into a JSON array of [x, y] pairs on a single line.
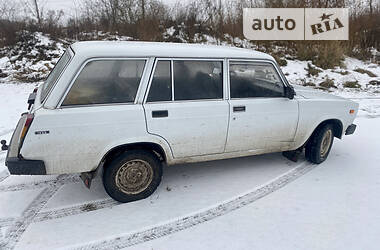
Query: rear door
[[261, 117], [185, 106]]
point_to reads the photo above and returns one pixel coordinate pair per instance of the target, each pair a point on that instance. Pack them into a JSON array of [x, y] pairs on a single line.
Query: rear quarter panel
[[78, 138]]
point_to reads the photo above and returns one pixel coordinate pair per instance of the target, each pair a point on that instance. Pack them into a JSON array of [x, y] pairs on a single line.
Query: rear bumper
[[19, 166], [15, 162], [350, 129]]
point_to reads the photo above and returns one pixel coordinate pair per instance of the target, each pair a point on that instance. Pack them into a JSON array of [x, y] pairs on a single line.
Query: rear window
[[54, 74], [105, 82]]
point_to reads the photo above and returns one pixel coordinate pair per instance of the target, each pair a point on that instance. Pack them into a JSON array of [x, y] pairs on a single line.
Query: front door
[[261, 117], [185, 106]]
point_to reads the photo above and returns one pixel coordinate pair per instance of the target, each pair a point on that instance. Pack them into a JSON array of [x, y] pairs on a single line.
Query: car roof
[[92, 49]]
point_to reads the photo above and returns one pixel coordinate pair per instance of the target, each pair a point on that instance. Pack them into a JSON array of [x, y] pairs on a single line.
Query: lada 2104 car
[[127, 108]]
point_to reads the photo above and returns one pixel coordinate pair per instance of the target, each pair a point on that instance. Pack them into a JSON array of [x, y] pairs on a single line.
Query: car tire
[[319, 145], [134, 175]]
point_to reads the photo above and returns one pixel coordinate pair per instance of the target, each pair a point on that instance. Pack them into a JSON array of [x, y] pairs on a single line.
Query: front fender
[[315, 112]]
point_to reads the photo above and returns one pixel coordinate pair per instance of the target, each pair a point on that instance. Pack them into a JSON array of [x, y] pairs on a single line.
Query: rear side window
[[195, 79], [54, 74], [254, 80], [161, 86], [107, 81]]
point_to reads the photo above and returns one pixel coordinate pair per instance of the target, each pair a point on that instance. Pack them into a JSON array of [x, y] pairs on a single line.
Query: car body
[[185, 103]]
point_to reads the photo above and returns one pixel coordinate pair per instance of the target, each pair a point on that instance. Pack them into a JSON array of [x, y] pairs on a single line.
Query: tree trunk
[[37, 10], [143, 9]]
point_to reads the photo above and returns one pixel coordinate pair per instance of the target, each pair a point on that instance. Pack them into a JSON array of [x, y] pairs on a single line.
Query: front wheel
[[132, 176], [319, 145]]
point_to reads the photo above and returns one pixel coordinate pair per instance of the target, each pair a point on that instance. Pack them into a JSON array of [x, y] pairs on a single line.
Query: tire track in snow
[[3, 175], [77, 209], [183, 223], [61, 179], [67, 211], [6, 222], [19, 226]]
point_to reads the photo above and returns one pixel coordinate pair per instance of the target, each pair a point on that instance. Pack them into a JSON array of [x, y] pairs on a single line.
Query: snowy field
[[259, 202]]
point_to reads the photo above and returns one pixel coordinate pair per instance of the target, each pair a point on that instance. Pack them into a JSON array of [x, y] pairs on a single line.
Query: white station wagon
[[128, 108]]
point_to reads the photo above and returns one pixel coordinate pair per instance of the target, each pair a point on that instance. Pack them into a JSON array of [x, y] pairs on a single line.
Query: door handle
[[160, 113], [239, 108]]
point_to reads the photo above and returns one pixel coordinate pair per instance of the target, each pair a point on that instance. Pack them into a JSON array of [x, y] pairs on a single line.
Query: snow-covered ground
[[297, 72], [262, 202]]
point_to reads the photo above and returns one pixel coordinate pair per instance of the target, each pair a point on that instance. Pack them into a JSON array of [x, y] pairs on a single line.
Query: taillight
[[28, 122]]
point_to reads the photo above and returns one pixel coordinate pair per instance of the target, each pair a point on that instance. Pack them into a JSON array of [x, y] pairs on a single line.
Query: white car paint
[[267, 124], [194, 131], [204, 134]]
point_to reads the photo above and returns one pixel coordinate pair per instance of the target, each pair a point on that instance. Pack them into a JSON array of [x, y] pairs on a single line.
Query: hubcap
[[134, 176], [325, 144]]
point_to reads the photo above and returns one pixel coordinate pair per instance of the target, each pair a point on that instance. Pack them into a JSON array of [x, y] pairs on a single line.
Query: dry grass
[[312, 71], [342, 72], [328, 83], [282, 62], [364, 71], [352, 85], [325, 55], [308, 84]]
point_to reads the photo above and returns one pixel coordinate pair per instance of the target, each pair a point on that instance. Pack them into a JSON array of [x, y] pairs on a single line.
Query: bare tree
[[36, 8], [37, 11], [370, 7], [8, 10], [143, 9]]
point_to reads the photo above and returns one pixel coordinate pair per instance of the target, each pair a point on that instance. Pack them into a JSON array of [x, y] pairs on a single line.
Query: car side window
[[254, 80], [105, 82], [161, 85], [197, 79]]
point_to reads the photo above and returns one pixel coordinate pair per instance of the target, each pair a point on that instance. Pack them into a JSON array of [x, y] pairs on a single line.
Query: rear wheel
[[132, 176], [319, 145]]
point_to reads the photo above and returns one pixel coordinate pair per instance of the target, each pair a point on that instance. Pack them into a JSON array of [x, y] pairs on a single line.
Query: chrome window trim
[[256, 61], [153, 69], [146, 59], [144, 81], [172, 78], [226, 90]]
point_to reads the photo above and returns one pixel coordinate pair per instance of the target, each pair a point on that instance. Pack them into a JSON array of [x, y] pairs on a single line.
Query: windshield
[[54, 74]]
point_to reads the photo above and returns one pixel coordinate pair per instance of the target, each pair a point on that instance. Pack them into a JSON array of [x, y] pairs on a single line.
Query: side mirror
[[289, 92]]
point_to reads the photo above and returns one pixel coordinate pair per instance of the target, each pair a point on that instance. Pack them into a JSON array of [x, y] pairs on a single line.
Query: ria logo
[[326, 24], [295, 23]]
